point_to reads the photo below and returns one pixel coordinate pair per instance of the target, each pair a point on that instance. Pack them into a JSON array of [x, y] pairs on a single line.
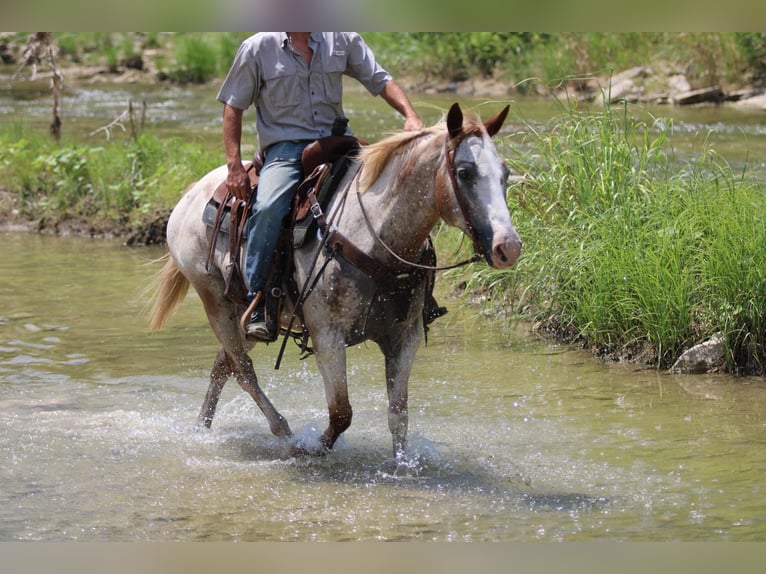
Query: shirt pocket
[[283, 86], [333, 77]]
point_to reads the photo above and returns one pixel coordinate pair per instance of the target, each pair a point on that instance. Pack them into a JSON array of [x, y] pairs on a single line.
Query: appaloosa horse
[[385, 210]]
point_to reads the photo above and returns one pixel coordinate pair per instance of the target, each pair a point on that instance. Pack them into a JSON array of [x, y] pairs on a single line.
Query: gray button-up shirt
[[295, 101]]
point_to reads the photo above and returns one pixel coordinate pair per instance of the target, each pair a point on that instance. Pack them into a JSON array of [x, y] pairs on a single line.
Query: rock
[[135, 62], [624, 86], [700, 358], [757, 101], [713, 94], [677, 83]]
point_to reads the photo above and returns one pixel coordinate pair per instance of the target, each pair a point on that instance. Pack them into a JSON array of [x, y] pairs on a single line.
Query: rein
[[473, 259], [449, 158], [333, 243]]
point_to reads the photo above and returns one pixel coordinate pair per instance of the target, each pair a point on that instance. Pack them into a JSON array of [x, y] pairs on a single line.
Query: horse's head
[[473, 195]]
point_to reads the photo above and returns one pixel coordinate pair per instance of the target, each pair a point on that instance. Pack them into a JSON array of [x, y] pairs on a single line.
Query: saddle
[[326, 161], [227, 214]]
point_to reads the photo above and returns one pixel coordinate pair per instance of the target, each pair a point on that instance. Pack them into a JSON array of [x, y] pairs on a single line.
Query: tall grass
[[626, 249], [541, 61]]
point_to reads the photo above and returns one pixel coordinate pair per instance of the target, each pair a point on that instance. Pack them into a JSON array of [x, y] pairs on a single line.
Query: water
[[513, 438]]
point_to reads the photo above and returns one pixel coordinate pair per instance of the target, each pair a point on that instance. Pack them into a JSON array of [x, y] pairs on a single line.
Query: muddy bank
[[149, 230]]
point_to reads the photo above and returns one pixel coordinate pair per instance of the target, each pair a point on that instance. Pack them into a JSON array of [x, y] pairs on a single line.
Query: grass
[[529, 61], [118, 180], [627, 251], [541, 62]]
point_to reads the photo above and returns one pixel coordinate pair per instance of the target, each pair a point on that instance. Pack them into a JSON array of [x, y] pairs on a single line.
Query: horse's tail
[[170, 288]]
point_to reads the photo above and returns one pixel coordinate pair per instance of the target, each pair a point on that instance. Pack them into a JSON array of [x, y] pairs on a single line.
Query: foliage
[[200, 58], [627, 251], [753, 46], [528, 61], [539, 62], [117, 179]]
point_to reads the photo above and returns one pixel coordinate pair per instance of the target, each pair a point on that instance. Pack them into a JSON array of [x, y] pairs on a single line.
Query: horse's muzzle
[[506, 249]]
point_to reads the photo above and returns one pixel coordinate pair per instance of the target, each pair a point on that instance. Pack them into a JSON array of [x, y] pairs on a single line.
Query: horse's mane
[[374, 157]]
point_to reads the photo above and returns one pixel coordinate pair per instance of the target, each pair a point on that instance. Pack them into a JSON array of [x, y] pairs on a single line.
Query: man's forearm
[[397, 99], [232, 134]]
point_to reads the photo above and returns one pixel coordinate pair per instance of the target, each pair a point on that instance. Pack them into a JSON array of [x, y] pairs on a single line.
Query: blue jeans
[[280, 175]]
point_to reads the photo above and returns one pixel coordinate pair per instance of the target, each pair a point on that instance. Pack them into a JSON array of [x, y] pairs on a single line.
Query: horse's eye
[[464, 173]]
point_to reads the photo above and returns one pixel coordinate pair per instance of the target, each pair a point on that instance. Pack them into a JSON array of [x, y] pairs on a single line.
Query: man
[[294, 79]]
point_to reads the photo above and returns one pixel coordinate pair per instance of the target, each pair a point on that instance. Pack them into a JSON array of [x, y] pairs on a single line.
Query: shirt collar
[[314, 38]]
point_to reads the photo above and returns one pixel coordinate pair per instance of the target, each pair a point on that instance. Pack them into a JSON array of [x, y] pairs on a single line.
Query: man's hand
[[238, 181], [413, 124]]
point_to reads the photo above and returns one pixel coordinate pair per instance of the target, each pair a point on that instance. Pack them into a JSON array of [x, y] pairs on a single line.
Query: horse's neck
[[400, 206]]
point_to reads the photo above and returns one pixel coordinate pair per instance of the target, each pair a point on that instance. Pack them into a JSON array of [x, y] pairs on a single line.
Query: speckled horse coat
[[386, 209]]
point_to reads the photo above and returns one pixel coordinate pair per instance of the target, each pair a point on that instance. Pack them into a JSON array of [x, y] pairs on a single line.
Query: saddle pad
[[209, 214]]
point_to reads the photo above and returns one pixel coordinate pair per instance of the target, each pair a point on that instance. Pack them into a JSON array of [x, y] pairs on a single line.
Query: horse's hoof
[[302, 450], [281, 429]]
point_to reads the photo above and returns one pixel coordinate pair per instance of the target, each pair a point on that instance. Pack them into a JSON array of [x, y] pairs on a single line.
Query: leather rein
[[333, 243], [450, 161]]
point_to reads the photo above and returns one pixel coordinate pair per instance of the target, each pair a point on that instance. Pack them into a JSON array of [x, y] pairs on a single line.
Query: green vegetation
[[200, 58], [537, 61], [527, 60], [629, 252], [119, 181]]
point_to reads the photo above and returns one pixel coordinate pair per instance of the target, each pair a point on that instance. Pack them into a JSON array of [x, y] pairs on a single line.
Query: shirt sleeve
[[241, 85], [362, 65]]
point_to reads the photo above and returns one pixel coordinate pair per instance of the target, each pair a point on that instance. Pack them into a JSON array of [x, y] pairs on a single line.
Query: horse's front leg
[[331, 360], [248, 380], [399, 361]]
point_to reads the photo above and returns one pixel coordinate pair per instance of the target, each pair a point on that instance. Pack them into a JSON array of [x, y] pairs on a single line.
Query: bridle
[[333, 243], [449, 155]]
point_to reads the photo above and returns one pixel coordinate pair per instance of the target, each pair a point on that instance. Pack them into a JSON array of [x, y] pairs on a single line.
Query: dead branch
[[40, 49], [116, 122], [119, 122]]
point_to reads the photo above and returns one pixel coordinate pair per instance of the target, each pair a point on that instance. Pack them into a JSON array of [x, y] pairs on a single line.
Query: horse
[[385, 209]]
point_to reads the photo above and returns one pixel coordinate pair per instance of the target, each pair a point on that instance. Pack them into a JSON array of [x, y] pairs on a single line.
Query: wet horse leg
[[247, 379], [331, 360], [399, 363], [233, 358], [220, 374]]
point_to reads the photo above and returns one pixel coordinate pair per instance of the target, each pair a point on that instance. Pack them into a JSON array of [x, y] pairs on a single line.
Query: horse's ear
[[493, 125], [455, 120]]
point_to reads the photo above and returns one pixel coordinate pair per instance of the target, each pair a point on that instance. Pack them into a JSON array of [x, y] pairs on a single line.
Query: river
[[513, 438]]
